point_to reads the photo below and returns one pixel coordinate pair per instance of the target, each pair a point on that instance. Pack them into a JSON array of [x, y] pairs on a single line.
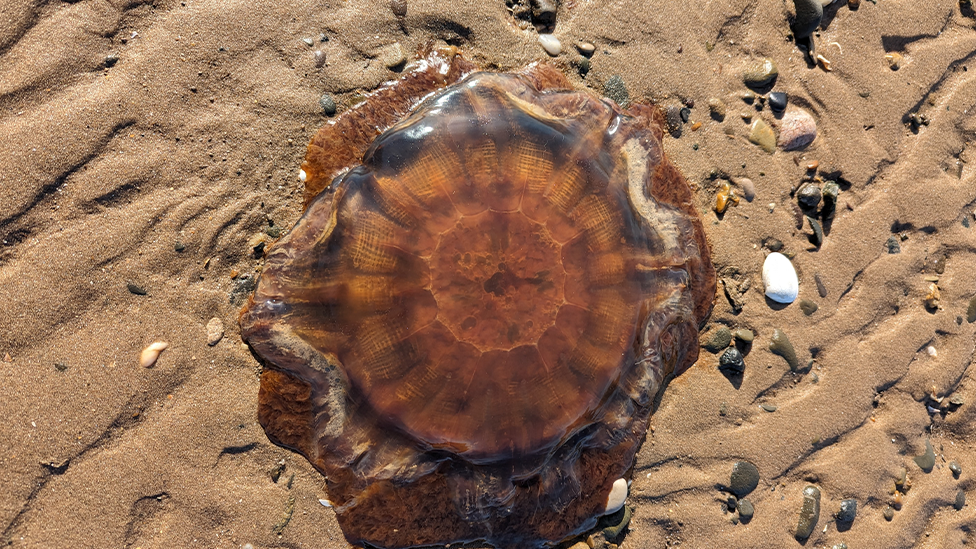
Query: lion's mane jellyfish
[[468, 329]]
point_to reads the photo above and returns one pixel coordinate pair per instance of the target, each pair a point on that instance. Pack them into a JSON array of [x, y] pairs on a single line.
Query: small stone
[[830, 191], [955, 468], [719, 339], [956, 399], [179, 246], [319, 57], [716, 108], [797, 130], [743, 335], [848, 511], [276, 471], [732, 361], [615, 89], [893, 244], [135, 288], [821, 289], [617, 496], [818, 235], [149, 355], [308, 42], [328, 104], [809, 196], [933, 297], [769, 407], [894, 60], [760, 73], [888, 513], [744, 479], [926, 461], [583, 66], [551, 44], [393, 56], [773, 244], [111, 59], [215, 331], [747, 186], [672, 120], [971, 310], [809, 513], [586, 48], [622, 519], [745, 509], [779, 278], [780, 345], [778, 101], [685, 114], [399, 8], [808, 307], [809, 14], [762, 136], [840, 545], [960, 500]]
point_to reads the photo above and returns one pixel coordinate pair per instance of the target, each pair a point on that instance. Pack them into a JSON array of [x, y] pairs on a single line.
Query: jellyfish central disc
[[498, 280]]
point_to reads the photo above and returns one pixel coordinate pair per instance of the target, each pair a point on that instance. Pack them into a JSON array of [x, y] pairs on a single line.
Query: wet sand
[[148, 148]]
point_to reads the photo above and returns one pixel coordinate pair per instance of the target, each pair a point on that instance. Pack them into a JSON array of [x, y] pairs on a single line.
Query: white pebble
[[150, 354], [325, 502], [617, 497], [551, 44], [747, 186], [301, 175], [931, 351], [215, 331], [779, 278]]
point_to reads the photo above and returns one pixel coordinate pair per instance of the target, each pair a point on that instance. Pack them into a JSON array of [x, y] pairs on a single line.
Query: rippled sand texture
[[186, 139]]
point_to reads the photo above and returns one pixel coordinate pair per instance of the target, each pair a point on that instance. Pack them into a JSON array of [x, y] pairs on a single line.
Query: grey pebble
[[769, 407], [778, 101], [817, 237], [821, 289], [971, 310], [808, 307], [328, 104], [760, 73], [685, 114], [809, 196], [840, 545], [731, 360], [744, 335], [893, 244], [809, 513], [319, 57], [848, 511], [399, 8], [926, 461], [583, 66], [955, 468], [135, 288], [745, 509], [111, 59], [744, 479], [672, 120], [615, 89], [773, 244], [809, 13], [780, 345], [960, 500], [619, 522], [719, 339], [179, 246], [888, 513]]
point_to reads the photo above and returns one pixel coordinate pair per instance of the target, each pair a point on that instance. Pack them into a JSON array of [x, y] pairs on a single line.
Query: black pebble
[[685, 114], [777, 101], [731, 360], [894, 247], [848, 510]]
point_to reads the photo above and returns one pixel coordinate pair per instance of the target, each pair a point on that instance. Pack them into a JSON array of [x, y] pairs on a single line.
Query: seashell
[[617, 496], [149, 355], [797, 130], [779, 278]]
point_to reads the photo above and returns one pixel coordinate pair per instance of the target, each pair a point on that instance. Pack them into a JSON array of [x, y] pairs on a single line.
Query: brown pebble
[[853, 4], [812, 166], [399, 8], [215, 331], [821, 289], [894, 60]]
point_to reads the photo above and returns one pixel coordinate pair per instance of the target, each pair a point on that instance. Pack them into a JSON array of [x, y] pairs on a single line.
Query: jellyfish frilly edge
[[467, 330]]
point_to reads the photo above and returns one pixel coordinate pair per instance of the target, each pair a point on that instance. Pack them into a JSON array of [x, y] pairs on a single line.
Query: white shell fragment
[[779, 278], [149, 355], [301, 175], [551, 44], [617, 497], [325, 503], [215, 331]]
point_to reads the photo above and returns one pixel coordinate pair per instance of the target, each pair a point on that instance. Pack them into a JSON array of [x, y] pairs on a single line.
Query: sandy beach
[[149, 151]]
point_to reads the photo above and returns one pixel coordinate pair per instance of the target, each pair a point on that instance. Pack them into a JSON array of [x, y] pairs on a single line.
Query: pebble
[[615, 89], [778, 101], [955, 468], [743, 335], [178, 247], [797, 130], [769, 407], [848, 511], [840, 545], [724, 197], [716, 108], [894, 60], [809, 196], [583, 66], [399, 8], [888, 513], [308, 42], [853, 5], [613, 531], [215, 331], [149, 355], [960, 500], [779, 278], [971, 310], [745, 509], [135, 288], [780, 345], [762, 135], [551, 44], [926, 461], [773, 244], [319, 57], [744, 479], [302, 176], [818, 235], [586, 48], [830, 192], [809, 513], [731, 360], [747, 186], [760, 73], [685, 114], [893, 244], [672, 120], [933, 298], [328, 104], [808, 307], [821, 289], [617, 496], [393, 56], [111, 59], [718, 339], [809, 13]]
